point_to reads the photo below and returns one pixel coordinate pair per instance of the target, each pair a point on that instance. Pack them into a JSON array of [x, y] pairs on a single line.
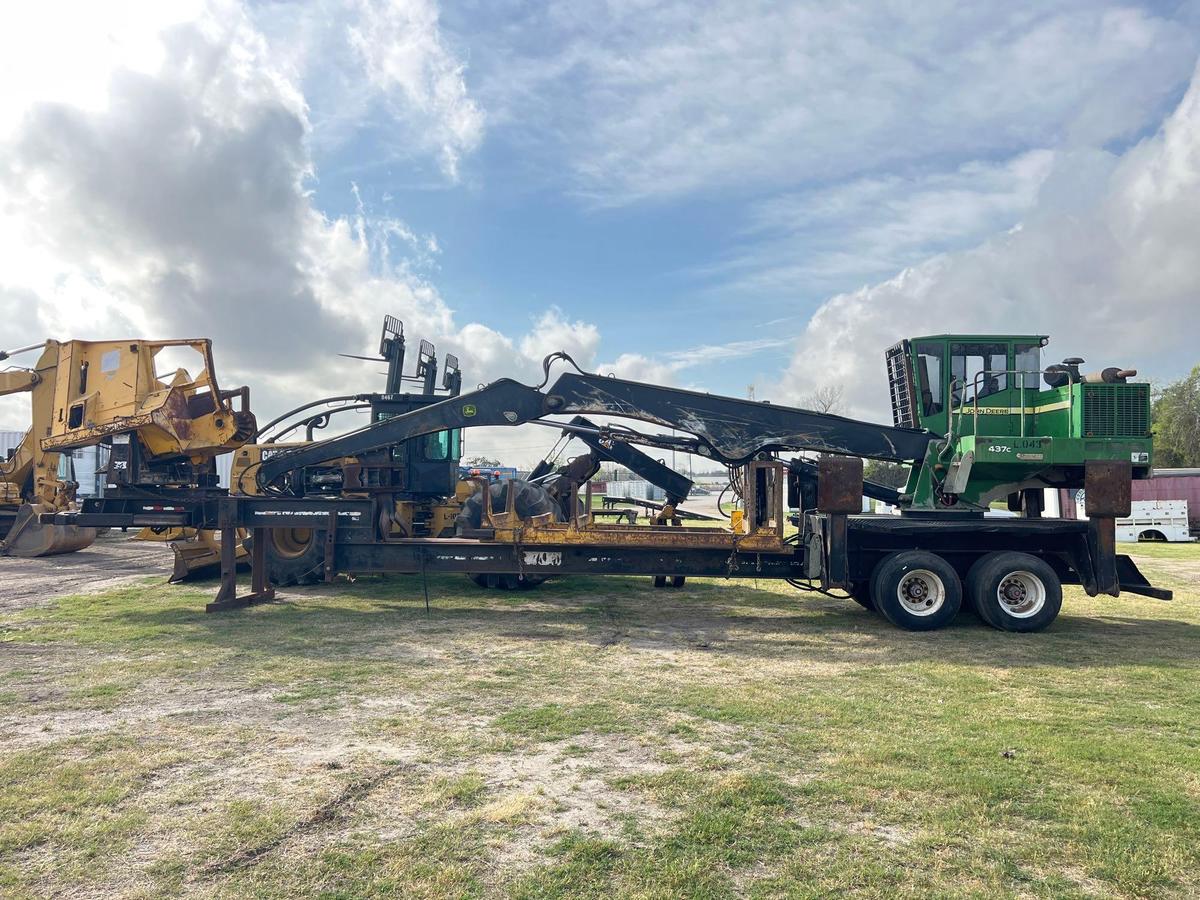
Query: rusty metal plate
[[839, 484], [1108, 485]]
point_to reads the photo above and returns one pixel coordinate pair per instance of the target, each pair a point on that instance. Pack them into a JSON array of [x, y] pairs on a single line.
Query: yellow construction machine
[[30, 483], [163, 428]]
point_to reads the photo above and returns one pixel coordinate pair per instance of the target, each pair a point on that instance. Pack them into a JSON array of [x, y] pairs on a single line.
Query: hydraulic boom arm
[[729, 430], [674, 485]]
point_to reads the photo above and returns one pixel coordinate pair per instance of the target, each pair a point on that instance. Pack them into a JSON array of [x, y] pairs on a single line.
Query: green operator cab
[[1012, 426]]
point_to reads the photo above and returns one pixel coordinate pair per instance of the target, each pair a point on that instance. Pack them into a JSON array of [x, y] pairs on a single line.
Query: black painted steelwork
[[727, 429], [852, 543], [674, 485]]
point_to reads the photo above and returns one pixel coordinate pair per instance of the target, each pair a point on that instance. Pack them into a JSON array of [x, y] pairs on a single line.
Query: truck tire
[[294, 555], [916, 590], [1015, 591]]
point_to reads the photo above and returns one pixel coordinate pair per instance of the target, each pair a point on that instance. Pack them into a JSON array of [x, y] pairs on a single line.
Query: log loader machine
[[977, 419], [419, 476]]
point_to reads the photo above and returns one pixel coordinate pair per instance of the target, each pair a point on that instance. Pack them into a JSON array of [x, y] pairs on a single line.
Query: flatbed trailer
[[834, 550]]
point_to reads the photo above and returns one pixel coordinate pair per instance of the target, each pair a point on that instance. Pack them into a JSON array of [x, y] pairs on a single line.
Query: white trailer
[[638, 489], [1155, 520]]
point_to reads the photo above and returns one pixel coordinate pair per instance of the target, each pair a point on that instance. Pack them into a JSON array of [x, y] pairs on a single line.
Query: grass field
[[596, 738]]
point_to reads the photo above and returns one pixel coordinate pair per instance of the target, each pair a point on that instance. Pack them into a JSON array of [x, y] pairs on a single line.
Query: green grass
[[596, 738]]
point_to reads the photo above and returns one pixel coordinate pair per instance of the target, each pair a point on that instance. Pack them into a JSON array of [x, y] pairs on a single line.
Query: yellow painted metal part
[[165, 535], [117, 387], [31, 473], [745, 534], [442, 516], [249, 457], [666, 537], [84, 391], [29, 538], [29, 481], [201, 555], [241, 474]]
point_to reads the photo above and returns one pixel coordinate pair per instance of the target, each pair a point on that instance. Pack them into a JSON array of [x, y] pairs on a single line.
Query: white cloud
[[820, 239], [666, 366], [653, 99], [1104, 263], [175, 203], [403, 52], [379, 72], [639, 367]]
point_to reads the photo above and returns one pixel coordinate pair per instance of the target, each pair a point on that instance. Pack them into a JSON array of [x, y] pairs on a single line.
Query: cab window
[[978, 370], [930, 361], [1029, 362], [443, 445]]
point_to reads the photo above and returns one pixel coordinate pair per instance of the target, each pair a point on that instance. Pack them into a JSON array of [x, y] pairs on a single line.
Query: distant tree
[[1176, 423], [828, 398], [880, 471], [482, 462]]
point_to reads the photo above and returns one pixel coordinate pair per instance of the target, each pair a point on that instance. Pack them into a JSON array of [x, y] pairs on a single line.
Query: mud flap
[[29, 538]]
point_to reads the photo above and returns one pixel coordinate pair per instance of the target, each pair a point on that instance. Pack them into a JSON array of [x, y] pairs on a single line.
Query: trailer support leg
[[260, 588], [1102, 547]]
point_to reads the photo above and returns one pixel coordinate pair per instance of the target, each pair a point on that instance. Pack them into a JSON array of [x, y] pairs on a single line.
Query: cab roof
[[987, 338]]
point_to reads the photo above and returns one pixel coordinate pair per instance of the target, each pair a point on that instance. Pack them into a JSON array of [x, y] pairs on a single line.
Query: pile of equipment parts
[[977, 419]]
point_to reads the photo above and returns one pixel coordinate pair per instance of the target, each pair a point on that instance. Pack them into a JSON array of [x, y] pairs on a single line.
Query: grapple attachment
[[29, 538]]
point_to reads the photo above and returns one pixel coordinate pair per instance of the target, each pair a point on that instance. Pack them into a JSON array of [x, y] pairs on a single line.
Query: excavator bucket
[[29, 538], [200, 557]]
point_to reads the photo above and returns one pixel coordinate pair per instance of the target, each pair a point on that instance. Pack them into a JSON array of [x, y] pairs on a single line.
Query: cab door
[[980, 390]]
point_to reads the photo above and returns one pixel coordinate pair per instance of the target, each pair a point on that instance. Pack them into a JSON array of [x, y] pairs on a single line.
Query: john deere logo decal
[[468, 410]]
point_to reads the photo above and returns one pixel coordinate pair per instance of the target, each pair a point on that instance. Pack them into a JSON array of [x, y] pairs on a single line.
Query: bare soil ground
[[113, 560]]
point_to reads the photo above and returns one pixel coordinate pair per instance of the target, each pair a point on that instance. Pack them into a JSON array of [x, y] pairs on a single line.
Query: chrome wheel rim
[[921, 592], [1021, 594]]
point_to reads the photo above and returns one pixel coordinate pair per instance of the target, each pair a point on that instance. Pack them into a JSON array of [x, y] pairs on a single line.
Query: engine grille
[[1116, 410]]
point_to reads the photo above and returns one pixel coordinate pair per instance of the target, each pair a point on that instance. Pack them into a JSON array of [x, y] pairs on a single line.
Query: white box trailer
[[638, 489], [1155, 520]]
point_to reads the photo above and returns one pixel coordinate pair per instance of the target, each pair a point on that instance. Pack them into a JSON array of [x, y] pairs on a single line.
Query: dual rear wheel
[[920, 591]]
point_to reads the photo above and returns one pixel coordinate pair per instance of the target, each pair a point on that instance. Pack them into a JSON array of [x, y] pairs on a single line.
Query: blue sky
[[684, 251], [717, 196]]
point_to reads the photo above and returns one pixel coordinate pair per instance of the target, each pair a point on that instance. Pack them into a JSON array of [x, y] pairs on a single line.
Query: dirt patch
[[115, 559]]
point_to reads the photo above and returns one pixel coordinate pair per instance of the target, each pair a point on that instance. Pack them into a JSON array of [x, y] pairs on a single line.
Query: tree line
[[1175, 419]]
